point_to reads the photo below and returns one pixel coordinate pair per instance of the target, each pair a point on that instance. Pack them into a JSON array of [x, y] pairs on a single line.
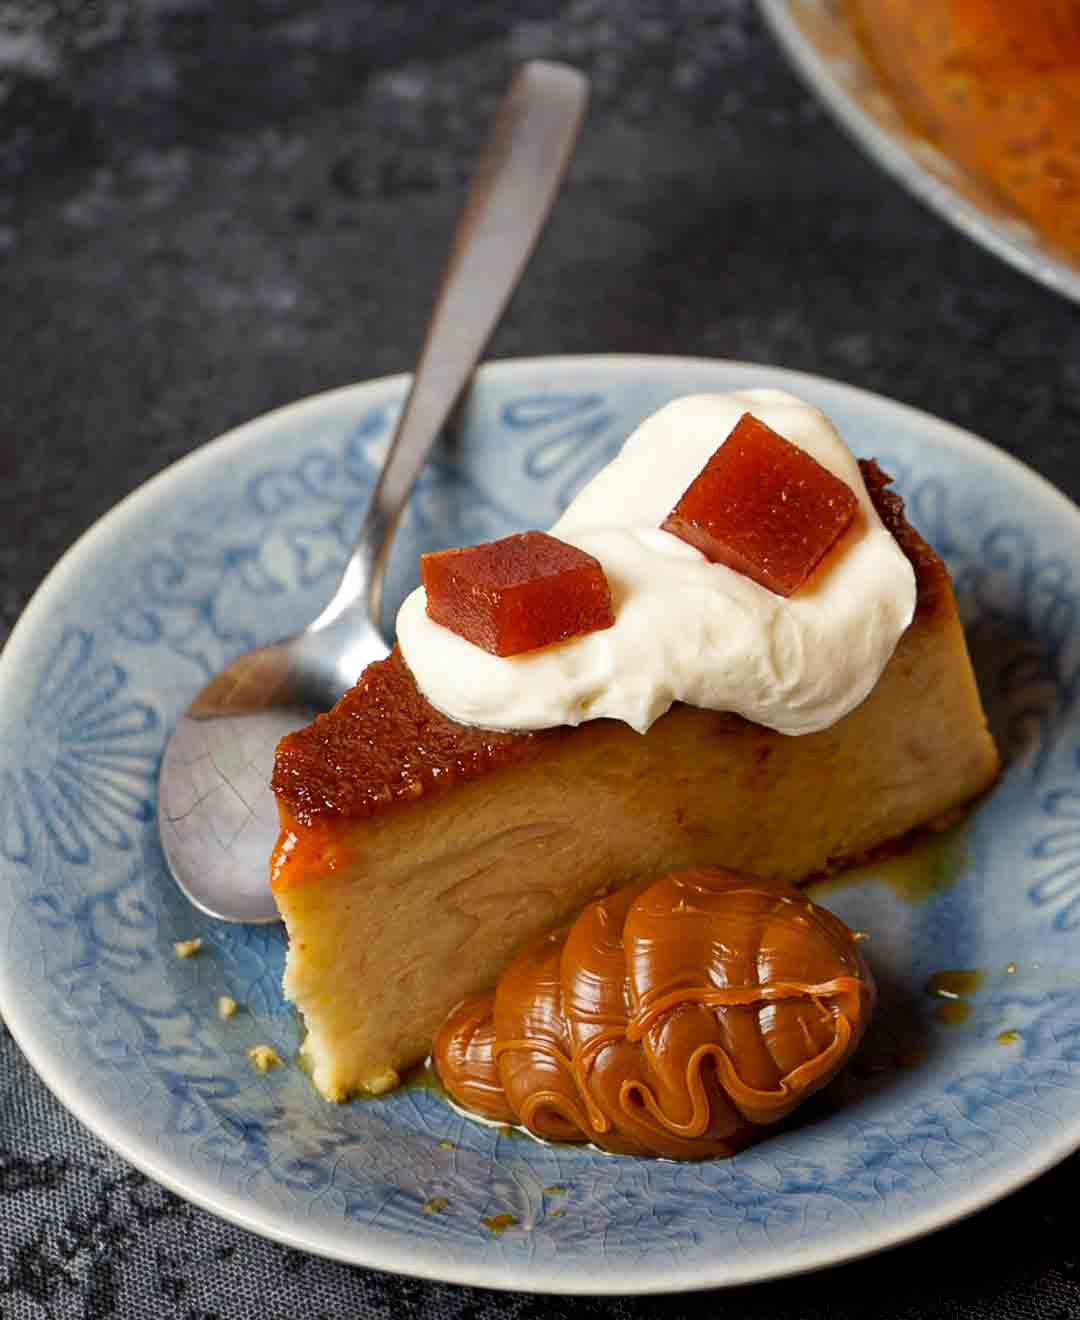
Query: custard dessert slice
[[418, 855]]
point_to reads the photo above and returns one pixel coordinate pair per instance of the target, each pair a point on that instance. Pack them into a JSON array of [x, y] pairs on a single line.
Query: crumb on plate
[[265, 1057]]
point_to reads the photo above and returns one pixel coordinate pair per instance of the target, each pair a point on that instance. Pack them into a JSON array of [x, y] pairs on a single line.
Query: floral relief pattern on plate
[[242, 543]]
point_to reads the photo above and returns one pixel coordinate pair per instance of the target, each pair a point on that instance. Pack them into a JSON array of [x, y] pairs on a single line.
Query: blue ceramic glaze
[[242, 543]]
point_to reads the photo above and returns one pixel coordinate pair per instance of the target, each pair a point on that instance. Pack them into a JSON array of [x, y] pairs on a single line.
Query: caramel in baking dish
[[680, 1017], [995, 84]]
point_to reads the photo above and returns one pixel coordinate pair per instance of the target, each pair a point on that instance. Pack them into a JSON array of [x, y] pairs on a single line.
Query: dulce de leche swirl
[[677, 1017]]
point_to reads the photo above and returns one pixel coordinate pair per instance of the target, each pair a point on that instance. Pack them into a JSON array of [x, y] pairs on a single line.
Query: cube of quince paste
[[764, 507], [518, 594]]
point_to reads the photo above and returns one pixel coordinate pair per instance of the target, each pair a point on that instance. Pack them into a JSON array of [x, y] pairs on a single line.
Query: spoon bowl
[[217, 816]]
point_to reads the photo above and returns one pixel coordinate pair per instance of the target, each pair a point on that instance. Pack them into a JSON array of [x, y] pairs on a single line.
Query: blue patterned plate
[[952, 1103]]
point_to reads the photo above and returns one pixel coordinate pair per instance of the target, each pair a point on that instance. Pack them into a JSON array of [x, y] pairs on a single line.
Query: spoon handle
[[516, 180]]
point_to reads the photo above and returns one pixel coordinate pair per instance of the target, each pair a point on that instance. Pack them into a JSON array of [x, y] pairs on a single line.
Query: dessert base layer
[[395, 917]]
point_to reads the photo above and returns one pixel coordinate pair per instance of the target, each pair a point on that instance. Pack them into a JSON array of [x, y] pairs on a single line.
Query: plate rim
[[1037, 263], [341, 1245]]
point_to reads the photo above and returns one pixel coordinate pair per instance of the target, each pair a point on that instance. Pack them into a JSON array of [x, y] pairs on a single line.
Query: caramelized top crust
[[384, 744], [931, 575]]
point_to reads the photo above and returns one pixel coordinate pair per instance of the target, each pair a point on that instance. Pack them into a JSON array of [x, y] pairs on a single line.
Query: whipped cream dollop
[[687, 629]]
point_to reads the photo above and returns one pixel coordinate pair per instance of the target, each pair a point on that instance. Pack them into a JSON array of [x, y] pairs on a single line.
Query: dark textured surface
[[209, 210]]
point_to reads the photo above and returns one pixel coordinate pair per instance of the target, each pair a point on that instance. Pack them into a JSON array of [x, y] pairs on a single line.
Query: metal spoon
[[216, 814]]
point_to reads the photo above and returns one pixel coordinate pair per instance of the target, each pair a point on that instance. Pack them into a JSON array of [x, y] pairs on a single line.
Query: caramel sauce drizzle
[[743, 995]]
